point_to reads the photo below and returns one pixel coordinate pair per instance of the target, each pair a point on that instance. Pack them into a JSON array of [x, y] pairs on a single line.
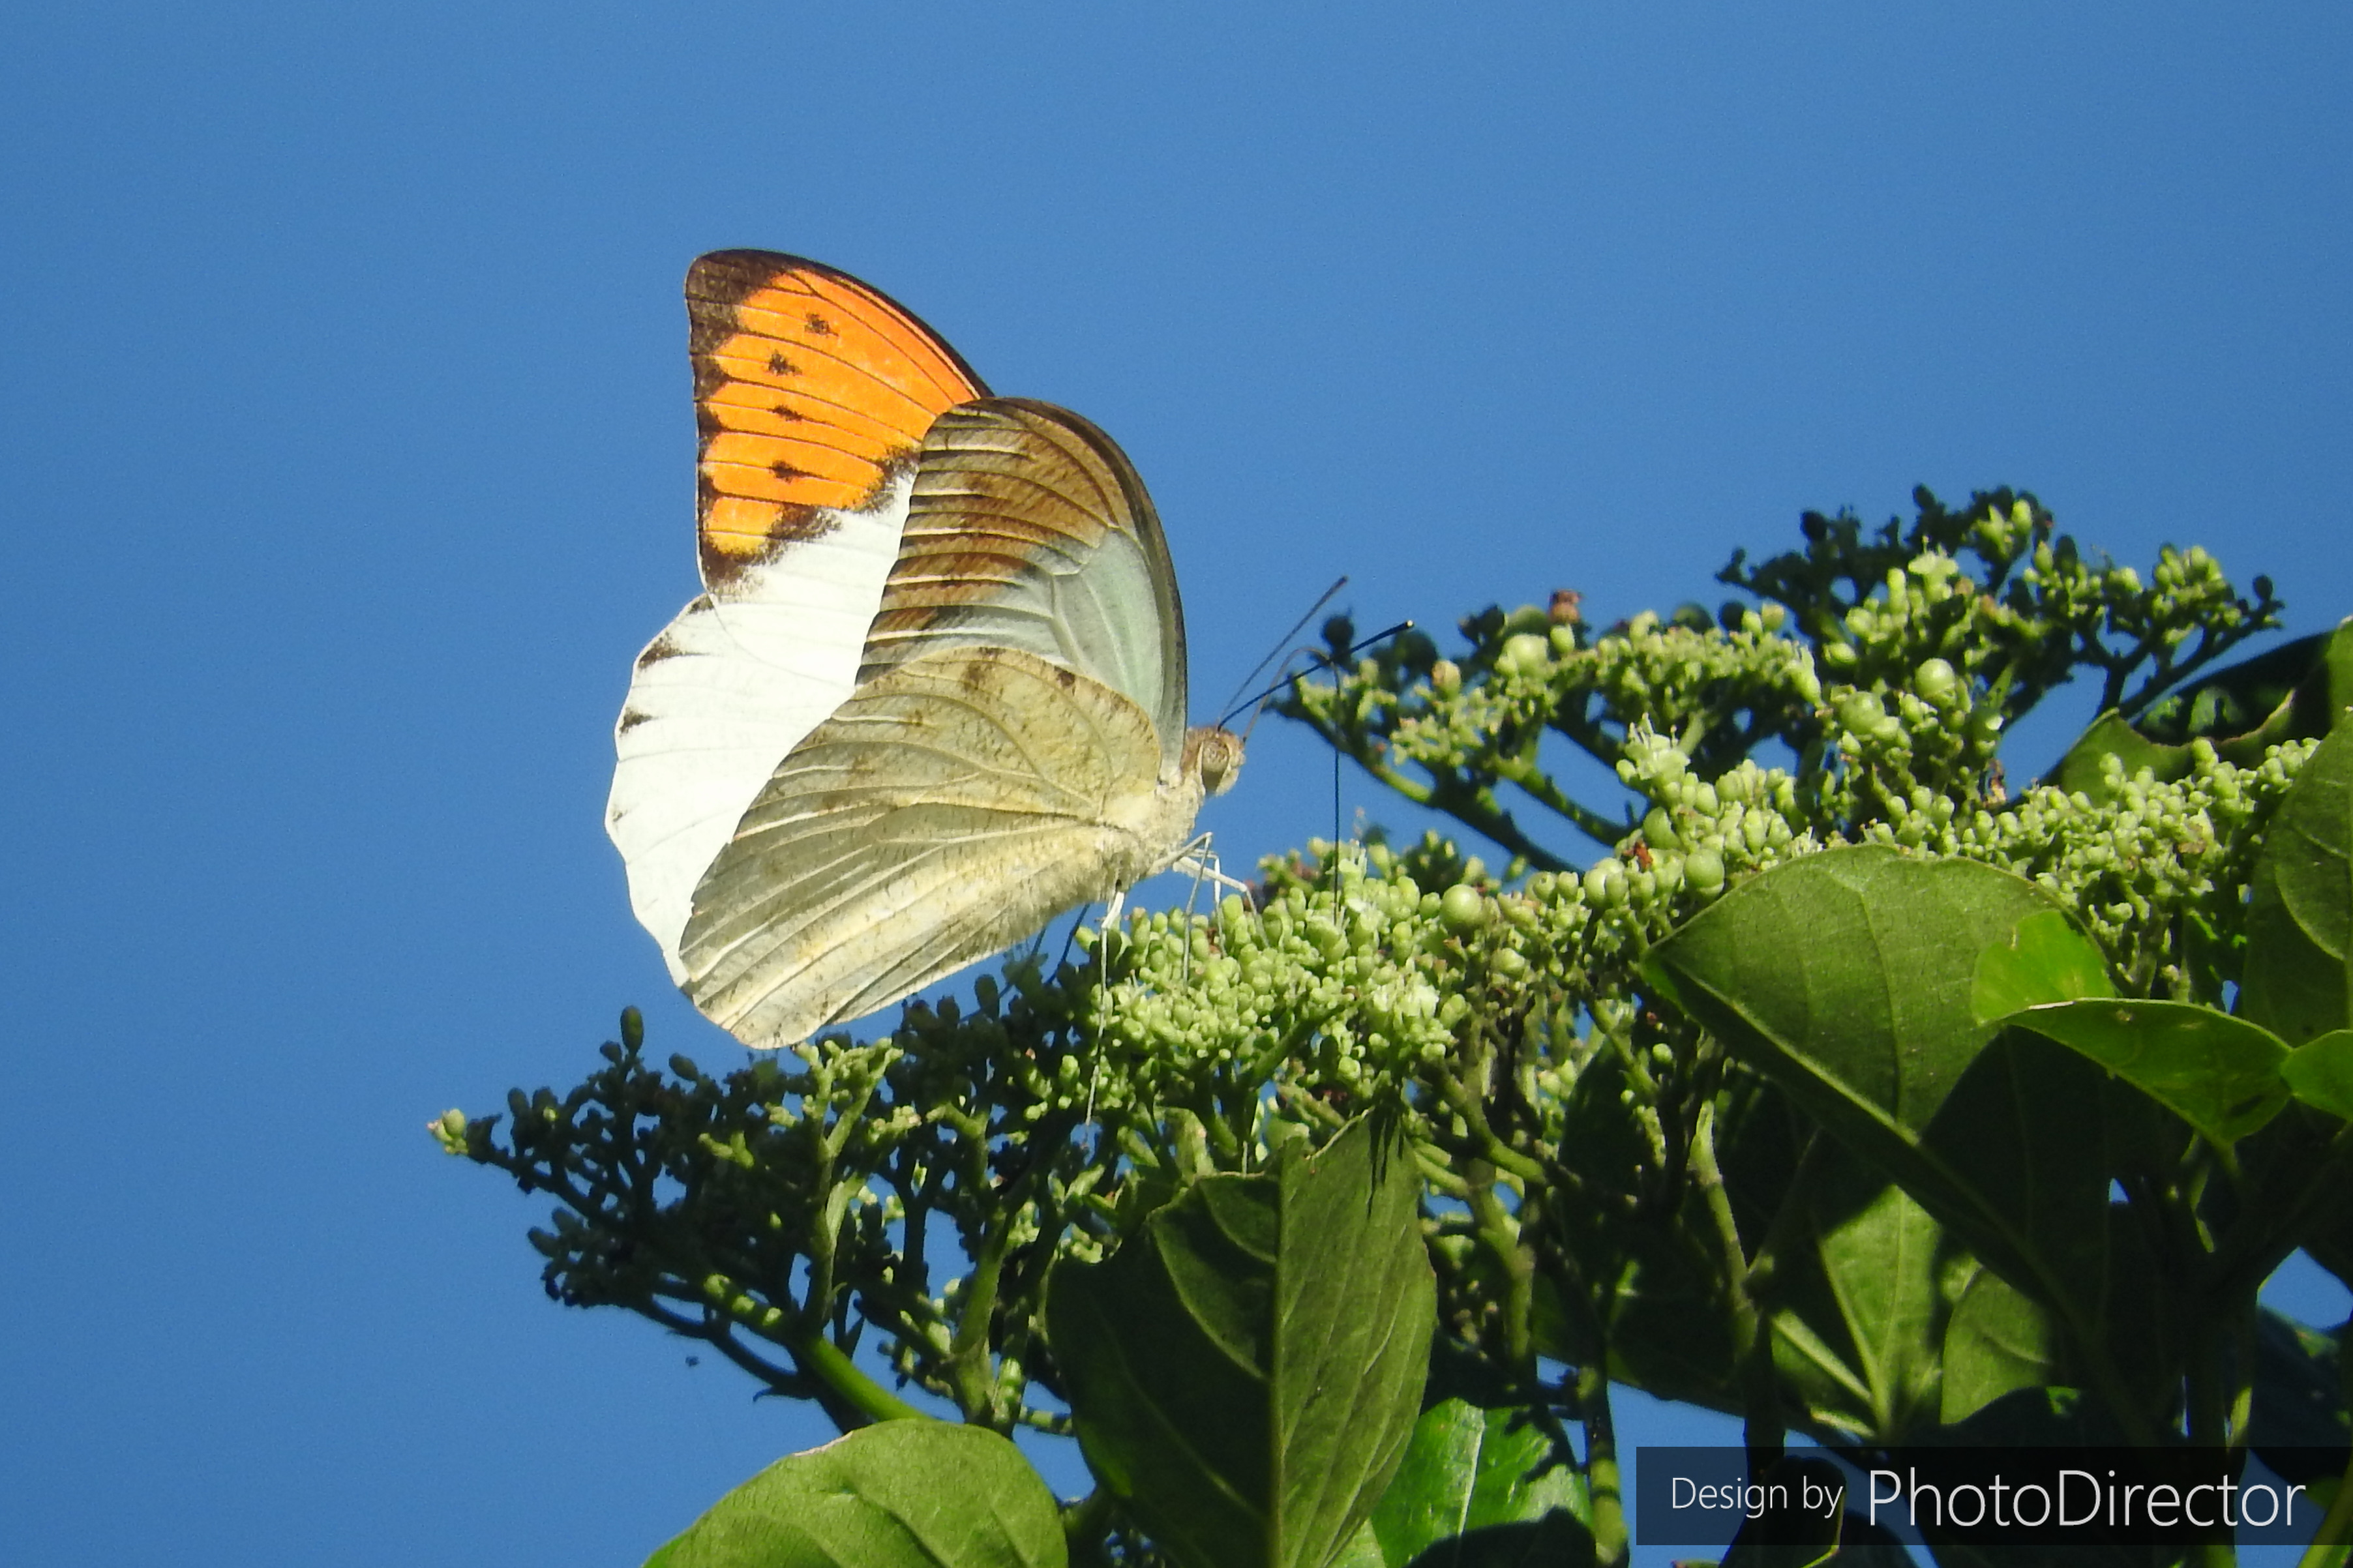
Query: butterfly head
[[1213, 755]]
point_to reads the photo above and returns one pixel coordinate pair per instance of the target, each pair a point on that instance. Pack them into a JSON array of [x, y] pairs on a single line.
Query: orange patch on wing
[[810, 389]]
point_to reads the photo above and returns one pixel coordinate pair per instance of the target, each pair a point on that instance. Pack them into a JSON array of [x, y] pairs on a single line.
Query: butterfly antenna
[[1329, 661], [1284, 641]]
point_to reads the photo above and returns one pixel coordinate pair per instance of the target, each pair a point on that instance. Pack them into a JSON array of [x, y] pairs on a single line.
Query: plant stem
[[821, 1358], [1601, 1480], [1761, 1411], [1501, 1233]]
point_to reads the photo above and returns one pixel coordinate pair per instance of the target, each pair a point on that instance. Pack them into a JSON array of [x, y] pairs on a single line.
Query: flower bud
[[1524, 653]]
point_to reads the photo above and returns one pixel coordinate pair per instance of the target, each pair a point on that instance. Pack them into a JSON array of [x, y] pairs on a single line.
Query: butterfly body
[[933, 692]]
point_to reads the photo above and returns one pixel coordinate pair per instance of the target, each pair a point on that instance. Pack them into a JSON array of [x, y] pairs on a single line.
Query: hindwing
[[954, 805]]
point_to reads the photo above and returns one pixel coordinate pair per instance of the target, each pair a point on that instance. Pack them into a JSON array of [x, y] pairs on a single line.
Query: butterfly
[[932, 693]]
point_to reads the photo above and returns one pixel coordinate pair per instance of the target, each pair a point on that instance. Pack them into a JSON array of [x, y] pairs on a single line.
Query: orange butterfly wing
[[812, 390]]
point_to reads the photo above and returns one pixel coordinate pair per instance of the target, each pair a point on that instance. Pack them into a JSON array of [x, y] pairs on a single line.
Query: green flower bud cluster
[[2141, 867], [783, 1200], [1928, 608], [1699, 835], [450, 1129], [1884, 665], [1349, 984], [1536, 682]]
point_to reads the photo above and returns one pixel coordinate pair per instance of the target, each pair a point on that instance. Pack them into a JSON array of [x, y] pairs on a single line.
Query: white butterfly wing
[[955, 803], [728, 688]]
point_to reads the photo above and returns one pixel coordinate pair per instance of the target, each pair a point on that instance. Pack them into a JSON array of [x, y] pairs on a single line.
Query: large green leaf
[[2319, 1072], [904, 1494], [1246, 1370], [1848, 976], [2312, 677], [1857, 1303], [1997, 1343], [2298, 981], [2220, 1074], [1482, 1489]]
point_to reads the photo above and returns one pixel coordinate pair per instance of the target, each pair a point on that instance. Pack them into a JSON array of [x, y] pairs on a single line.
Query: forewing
[[1028, 528], [954, 805], [812, 391]]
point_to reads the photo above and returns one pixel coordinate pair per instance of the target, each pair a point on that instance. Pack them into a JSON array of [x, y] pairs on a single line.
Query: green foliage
[[905, 1494], [1247, 1370], [2299, 978], [1808, 1097], [1482, 1489]]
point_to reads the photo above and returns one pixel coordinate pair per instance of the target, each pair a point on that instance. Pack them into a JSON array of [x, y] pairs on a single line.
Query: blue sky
[[343, 403]]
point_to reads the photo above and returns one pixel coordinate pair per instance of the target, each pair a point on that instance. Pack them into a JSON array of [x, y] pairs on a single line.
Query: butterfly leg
[[1199, 861], [1113, 909]]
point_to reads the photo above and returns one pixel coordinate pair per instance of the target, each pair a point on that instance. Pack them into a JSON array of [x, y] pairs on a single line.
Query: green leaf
[[2298, 982], [2310, 676], [1246, 1370], [1849, 974], [1482, 1489], [1847, 977], [2319, 1072], [2045, 959], [1363, 1551], [1996, 1343], [902, 1494], [1860, 1316], [2220, 1074]]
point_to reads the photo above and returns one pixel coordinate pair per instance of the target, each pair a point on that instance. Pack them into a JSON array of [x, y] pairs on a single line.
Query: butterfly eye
[[1218, 754]]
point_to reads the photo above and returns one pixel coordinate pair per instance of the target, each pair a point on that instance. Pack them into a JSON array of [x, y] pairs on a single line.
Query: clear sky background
[[343, 412]]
